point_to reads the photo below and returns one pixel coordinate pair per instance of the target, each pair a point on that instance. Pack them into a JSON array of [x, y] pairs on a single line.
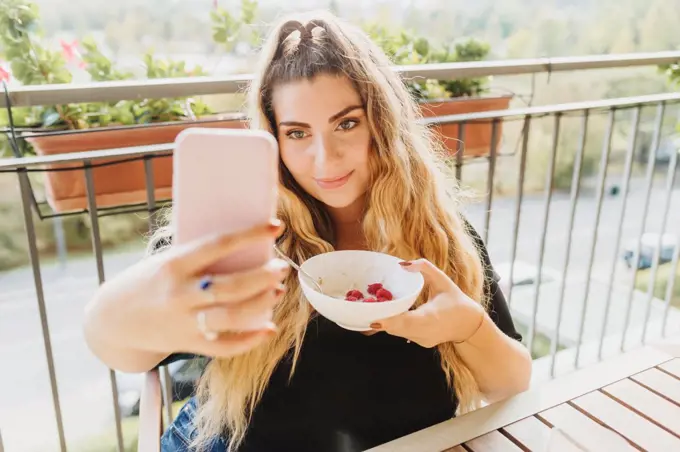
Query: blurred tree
[[583, 26], [556, 35], [521, 44], [624, 42], [125, 35], [659, 29]]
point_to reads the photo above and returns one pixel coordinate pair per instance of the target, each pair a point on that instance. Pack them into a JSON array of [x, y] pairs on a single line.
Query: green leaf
[[422, 46], [126, 117], [20, 70], [89, 44], [220, 36], [248, 11], [105, 119]]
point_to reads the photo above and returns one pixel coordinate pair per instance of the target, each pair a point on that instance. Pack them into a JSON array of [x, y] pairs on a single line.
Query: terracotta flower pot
[[477, 139], [118, 184]]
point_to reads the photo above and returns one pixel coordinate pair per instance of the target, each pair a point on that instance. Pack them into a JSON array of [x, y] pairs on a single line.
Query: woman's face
[[324, 138]]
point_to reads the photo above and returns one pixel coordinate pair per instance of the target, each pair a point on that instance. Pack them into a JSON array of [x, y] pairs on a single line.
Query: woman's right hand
[[158, 307]]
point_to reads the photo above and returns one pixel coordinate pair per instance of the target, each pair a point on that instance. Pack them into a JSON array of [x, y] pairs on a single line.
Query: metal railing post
[[550, 176], [601, 181], [670, 182], [166, 379], [99, 258], [649, 180], [490, 178], [573, 200], [526, 131], [630, 152], [25, 188]]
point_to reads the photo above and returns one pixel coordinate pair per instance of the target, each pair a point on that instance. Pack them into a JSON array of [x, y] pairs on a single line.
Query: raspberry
[[374, 288], [370, 300], [355, 293], [385, 294], [352, 299]]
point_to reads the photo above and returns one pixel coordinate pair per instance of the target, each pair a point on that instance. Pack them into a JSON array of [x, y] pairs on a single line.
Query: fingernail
[[376, 326], [275, 225], [280, 266], [405, 263], [271, 328], [280, 290]]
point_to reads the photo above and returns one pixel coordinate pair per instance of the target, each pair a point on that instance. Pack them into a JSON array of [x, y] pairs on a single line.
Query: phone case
[[225, 181]]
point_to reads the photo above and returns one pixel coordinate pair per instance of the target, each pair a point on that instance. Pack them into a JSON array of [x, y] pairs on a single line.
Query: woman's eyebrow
[[294, 124], [343, 112], [333, 118]]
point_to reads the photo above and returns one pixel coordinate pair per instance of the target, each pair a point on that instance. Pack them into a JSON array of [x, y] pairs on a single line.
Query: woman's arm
[[103, 336], [485, 339], [500, 363], [162, 305], [106, 337]]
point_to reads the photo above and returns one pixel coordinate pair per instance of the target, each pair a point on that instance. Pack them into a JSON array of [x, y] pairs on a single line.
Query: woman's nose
[[324, 153]]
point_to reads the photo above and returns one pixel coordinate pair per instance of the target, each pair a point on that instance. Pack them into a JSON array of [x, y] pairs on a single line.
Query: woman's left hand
[[448, 316]]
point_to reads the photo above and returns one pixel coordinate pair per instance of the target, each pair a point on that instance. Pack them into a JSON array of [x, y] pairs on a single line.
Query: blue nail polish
[[205, 283]]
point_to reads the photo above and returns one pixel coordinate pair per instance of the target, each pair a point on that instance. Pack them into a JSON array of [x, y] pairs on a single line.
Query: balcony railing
[[579, 267]]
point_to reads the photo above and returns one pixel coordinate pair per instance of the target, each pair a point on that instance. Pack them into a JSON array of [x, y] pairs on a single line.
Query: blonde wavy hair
[[405, 177]]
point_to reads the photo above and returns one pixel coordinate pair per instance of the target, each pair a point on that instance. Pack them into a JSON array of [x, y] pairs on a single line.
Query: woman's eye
[[348, 124], [296, 134]]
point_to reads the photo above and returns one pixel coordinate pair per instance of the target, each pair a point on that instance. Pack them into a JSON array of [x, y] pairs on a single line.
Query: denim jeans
[[182, 432]]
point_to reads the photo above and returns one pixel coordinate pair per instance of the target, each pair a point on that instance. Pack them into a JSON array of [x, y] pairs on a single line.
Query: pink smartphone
[[225, 181]]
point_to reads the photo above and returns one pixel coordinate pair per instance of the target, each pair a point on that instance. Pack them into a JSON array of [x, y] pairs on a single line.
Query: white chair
[[150, 414]]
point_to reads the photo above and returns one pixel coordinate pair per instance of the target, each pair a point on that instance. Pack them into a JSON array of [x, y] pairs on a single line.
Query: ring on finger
[[203, 326], [205, 284]]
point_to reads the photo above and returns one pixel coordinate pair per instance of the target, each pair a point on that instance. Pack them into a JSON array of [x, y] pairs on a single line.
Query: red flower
[[70, 51], [215, 5], [4, 75]]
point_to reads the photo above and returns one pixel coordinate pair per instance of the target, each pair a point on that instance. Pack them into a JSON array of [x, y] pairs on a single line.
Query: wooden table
[[631, 402]]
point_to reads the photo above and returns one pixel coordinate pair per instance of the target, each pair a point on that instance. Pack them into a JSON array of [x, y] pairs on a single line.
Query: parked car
[[668, 147], [649, 242], [184, 375]]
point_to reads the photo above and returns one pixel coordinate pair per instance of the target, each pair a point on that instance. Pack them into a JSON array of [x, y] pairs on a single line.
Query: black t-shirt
[[351, 392]]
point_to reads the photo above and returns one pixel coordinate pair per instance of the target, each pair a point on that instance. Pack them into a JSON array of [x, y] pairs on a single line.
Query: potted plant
[[446, 97], [96, 125]]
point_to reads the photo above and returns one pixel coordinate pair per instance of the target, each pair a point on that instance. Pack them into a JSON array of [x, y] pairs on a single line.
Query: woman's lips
[[333, 183]]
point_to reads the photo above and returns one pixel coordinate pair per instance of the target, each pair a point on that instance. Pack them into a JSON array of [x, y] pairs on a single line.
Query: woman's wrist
[[480, 323], [473, 317], [482, 334]]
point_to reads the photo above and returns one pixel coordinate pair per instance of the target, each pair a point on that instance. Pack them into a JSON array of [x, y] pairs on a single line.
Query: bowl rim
[[321, 255], [416, 293]]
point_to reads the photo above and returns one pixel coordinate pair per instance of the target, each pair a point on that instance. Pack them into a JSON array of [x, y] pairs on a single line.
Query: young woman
[[357, 172]]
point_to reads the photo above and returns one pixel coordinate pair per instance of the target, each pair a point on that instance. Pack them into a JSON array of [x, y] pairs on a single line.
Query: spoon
[[317, 286]]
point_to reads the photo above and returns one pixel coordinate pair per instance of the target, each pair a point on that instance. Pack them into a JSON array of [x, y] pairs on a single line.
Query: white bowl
[[339, 271]]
